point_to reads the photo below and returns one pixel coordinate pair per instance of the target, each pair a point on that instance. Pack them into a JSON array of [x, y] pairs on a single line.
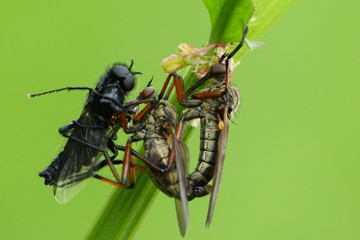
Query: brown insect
[[166, 157], [214, 106]]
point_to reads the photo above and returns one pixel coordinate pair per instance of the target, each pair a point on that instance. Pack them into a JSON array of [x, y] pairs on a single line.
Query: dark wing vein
[[78, 159]]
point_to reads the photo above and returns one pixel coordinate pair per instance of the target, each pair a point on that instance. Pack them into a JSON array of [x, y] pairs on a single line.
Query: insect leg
[[108, 159], [138, 155], [232, 54], [238, 46], [30, 95], [104, 163], [141, 116], [197, 84], [119, 183], [205, 95], [178, 82], [111, 165], [82, 141], [109, 181], [67, 128], [126, 164], [86, 126]]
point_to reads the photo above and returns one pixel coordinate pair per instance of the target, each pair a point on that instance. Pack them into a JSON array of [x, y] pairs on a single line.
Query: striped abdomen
[[208, 149]]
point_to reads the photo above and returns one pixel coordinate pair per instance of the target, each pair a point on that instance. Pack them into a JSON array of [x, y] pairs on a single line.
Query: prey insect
[[214, 106], [155, 126], [91, 136]]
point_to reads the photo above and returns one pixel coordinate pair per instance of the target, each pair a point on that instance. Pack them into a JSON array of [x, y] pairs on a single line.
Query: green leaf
[[267, 12], [125, 210], [228, 19]]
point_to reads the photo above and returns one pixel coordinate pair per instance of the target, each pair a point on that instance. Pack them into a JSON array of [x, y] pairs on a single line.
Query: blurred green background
[[292, 166]]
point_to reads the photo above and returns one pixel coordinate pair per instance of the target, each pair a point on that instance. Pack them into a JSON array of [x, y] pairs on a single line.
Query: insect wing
[[181, 154], [79, 159], [218, 166]]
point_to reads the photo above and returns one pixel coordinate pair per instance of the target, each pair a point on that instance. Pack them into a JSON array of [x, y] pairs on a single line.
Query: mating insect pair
[[166, 157]]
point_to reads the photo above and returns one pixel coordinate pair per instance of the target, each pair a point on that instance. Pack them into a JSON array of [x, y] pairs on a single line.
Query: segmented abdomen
[[157, 150], [209, 136]]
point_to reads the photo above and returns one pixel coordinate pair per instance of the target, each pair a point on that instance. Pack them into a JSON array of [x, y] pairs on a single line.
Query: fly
[[214, 106], [92, 134], [166, 157]]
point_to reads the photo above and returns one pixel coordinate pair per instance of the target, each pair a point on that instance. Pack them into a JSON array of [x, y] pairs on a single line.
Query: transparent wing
[[218, 166], [181, 154], [79, 160]]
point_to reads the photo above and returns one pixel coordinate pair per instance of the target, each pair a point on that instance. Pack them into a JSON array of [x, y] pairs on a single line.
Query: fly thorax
[[113, 92], [165, 112]]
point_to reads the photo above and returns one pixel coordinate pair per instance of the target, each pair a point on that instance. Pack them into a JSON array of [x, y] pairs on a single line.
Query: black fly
[[91, 136]]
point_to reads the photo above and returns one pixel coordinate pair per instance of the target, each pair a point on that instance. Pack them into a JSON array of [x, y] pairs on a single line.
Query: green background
[[292, 165]]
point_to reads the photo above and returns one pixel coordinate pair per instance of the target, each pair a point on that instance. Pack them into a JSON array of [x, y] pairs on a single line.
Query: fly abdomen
[[208, 149], [202, 174], [167, 182], [157, 151], [49, 173]]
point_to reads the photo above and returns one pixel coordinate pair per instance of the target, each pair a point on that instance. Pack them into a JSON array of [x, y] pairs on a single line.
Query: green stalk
[[125, 210]]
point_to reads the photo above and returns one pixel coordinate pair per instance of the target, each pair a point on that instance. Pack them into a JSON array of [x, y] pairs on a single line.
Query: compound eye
[[148, 92], [120, 71], [218, 68], [129, 82]]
